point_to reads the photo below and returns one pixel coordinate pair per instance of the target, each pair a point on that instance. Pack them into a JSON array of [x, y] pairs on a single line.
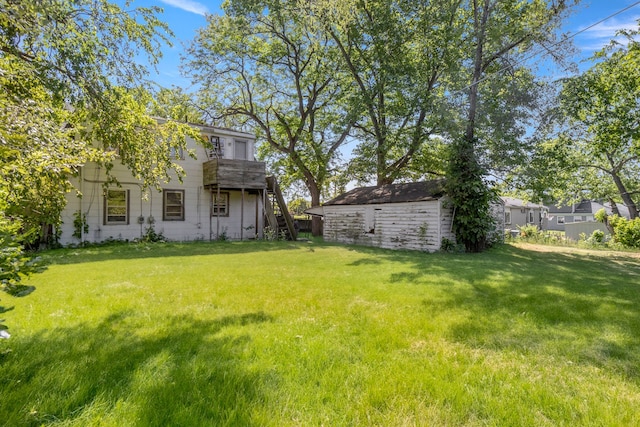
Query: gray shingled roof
[[392, 193], [511, 202]]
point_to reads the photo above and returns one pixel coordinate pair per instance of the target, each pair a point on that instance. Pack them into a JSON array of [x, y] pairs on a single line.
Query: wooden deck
[[234, 174]]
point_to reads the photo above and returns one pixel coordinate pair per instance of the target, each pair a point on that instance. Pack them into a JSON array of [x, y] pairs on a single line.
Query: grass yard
[[311, 334]]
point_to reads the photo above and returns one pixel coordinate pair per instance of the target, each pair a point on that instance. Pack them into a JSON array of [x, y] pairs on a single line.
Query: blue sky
[[186, 16]]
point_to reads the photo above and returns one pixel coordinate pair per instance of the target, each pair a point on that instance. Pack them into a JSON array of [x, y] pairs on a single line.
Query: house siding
[[245, 219], [411, 225]]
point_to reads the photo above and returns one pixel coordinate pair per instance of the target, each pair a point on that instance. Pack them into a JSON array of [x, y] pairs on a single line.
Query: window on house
[[220, 205], [218, 148], [530, 216], [116, 207], [560, 220], [176, 153], [507, 217], [240, 150], [578, 218], [173, 205]]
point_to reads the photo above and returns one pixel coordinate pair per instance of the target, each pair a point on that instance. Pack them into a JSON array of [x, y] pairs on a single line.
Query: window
[[507, 217], [241, 150], [176, 153], [216, 150], [116, 207], [173, 205], [560, 220], [217, 147], [220, 206], [530, 216]]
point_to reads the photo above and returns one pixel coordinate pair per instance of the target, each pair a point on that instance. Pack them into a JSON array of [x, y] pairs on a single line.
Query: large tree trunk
[[624, 194], [316, 222]]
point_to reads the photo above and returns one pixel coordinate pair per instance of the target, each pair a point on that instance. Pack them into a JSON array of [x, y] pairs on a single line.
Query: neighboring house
[[414, 216], [578, 212], [223, 195], [518, 213]]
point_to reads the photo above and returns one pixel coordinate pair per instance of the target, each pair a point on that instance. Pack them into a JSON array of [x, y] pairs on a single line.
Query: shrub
[[529, 232], [152, 236], [14, 263], [597, 236], [626, 232]]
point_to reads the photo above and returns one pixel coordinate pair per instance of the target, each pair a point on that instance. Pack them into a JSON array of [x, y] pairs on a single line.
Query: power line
[[571, 36]]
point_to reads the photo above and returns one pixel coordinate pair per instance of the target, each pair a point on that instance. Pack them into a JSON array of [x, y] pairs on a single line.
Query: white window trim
[[224, 196], [107, 207]]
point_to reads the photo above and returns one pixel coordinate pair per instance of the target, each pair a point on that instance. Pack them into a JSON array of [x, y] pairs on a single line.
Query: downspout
[[81, 173], [218, 212], [242, 216]]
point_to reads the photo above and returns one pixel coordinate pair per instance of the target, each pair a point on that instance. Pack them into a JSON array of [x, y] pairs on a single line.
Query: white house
[[223, 195], [518, 213], [397, 216]]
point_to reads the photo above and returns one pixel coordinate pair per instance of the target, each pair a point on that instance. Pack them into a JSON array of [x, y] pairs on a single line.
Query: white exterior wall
[[244, 219], [413, 225]]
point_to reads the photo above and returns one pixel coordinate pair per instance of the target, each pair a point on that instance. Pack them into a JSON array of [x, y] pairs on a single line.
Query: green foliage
[[14, 263], [222, 237], [600, 215], [71, 92], [395, 54], [80, 225], [592, 142], [298, 206], [470, 196], [152, 236], [597, 236], [267, 65], [625, 232], [529, 231], [450, 246]]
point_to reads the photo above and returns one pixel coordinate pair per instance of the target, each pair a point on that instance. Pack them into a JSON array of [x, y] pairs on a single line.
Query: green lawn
[[311, 334]]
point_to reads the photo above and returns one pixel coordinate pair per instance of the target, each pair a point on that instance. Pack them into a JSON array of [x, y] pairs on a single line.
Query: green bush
[[14, 264], [529, 232], [625, 232], [597, 236]]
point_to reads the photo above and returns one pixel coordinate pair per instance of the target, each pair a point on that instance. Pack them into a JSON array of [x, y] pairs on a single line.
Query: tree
[[176, 104], [72, 92], [496, 33], [267, 65], [601, 109], [395, 53]]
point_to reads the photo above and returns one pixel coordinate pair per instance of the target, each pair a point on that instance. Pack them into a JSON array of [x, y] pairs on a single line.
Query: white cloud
[[188, 5], [609, 29], [600, 35]]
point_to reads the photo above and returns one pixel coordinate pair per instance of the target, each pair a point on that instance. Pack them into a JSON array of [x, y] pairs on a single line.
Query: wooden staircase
[[278, 216]]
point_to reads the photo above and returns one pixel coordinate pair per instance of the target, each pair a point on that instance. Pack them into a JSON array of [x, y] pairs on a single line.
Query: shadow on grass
[[122, 250], [582, 307], [190, 374]]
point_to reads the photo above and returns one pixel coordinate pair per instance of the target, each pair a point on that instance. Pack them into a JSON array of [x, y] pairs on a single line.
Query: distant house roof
[[510, 202], [584, 207], [623, 210], [391, 193]]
